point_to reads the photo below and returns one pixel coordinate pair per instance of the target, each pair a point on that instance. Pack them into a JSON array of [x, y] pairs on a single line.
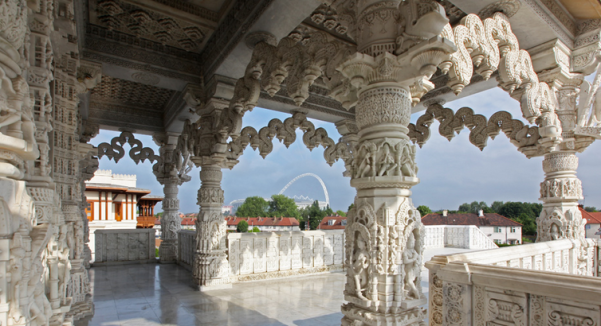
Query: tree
[[524, 213], [253, 207], [424, 210], [496, 206], [341, 213], [282, 206], [591, 209], [256, 229], [474, 207], [351, 206], [528, 224], [465, 207], [159, 215], [242, 227], [313, 215]]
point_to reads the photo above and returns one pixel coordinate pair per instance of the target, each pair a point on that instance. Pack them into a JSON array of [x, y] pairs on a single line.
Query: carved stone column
[[560, 192], [211, 268], [384, 234], [170, 221]]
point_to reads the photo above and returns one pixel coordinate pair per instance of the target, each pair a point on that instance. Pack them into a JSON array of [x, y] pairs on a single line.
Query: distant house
[[265, 223], [332, 223], [593, 223], [499, 228]]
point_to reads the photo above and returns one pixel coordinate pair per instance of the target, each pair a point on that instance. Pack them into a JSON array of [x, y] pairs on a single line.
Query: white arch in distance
[[323, 185]]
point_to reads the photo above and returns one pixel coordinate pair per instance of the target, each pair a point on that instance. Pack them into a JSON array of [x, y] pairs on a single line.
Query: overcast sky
[[451, 173]]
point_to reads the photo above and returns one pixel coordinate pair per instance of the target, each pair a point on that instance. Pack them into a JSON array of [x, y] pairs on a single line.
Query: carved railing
[[124, 246], [186, 246], [254, 256], [457, 236], [547, 283], [434, 236]]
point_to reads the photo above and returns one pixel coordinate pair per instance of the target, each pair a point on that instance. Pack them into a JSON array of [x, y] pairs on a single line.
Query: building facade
[[497, 227], [114, 202], [593, 223]]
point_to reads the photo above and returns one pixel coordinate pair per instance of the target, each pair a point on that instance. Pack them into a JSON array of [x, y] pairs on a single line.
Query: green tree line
[[283, 206]]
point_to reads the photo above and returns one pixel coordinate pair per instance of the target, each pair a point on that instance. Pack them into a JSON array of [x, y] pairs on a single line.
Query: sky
[[451, 173]]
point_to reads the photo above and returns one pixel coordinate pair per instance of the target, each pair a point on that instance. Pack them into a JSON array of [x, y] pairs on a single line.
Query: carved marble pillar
[[170, 221], [560, 192], [211, 268], [384, 234]]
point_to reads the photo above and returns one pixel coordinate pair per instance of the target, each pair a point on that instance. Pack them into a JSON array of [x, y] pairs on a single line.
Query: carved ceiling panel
[[123, 92], [146, 22]]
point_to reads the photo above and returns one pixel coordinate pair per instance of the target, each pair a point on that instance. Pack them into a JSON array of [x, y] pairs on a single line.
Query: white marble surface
[[164, 295]]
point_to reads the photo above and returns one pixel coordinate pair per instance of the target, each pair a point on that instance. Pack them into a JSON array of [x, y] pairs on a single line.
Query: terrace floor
[[165, 295]]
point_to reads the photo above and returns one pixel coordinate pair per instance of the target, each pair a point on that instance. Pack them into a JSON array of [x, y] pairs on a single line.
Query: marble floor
[[164, 295]]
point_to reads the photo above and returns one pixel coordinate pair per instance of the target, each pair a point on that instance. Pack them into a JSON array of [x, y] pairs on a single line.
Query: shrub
[[242, 226]]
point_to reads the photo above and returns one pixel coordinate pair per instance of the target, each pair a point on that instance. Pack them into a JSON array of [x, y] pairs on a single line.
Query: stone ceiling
[[128, 105], [151, 50]]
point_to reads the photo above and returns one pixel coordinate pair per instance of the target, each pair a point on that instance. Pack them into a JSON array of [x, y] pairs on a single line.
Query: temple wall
[[124, 246]]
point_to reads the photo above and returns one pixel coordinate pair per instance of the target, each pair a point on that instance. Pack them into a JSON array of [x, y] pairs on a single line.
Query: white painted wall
[[505, 235], [591, 229]]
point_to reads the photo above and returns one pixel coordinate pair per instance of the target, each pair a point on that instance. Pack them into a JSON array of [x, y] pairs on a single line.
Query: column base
[[204, 288], [168, 252], [354, 315]]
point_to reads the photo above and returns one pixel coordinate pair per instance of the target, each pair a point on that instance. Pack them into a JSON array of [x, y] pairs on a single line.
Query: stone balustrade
[[457, 236], [562, 256], [547, 283], [278, 254], [125, 246], [185, 248]]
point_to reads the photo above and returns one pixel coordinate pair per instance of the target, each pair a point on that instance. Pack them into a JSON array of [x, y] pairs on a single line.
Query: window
[[497, 229], [497, 241], [588, 226], [331, 222], [513, 229], [343, 222]]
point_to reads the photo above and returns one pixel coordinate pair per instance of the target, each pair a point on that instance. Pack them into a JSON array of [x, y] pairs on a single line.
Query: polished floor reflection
[[164, 295]]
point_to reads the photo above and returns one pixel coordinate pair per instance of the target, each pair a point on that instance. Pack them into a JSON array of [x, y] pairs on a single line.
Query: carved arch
[[490, 45], [138, 153], [286, 132], [522, 136]]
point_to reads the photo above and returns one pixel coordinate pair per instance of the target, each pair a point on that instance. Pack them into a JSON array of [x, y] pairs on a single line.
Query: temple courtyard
[[164, 294]]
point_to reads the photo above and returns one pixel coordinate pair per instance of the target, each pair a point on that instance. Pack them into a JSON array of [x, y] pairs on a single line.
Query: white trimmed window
[[498, 229]]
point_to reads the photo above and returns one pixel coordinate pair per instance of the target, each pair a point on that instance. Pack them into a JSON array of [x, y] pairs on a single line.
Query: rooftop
[[337, 224], [591, 218], [487, 219]]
